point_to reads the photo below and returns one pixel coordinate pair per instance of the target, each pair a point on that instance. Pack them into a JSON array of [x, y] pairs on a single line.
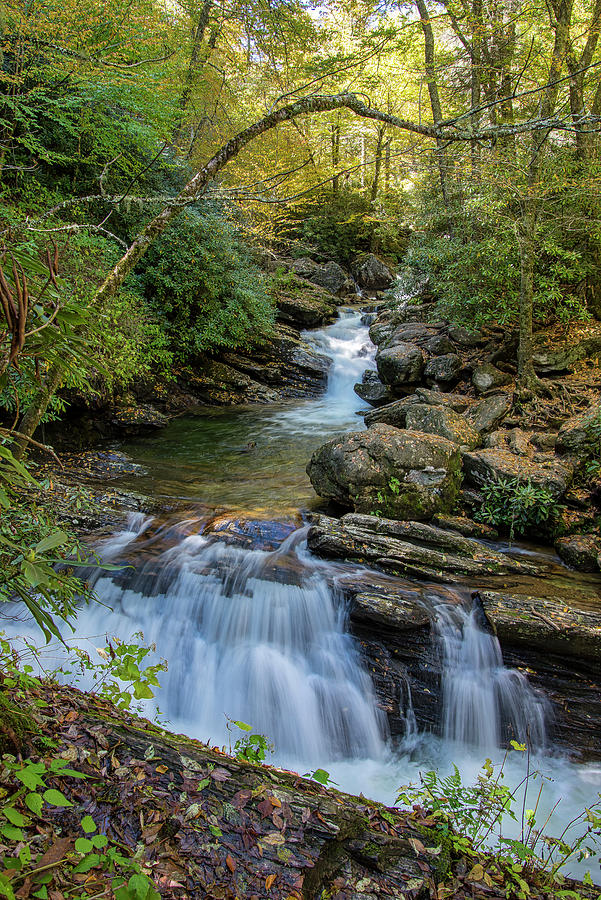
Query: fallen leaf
[[477, 873], [220, 774], [230, 863], [269, 881], [162, 769]]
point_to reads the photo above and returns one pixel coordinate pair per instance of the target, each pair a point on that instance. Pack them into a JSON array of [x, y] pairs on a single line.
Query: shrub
[[516, 506]]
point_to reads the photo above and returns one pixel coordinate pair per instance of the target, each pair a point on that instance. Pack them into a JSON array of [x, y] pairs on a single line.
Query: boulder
[[544, 472], [487, 414], [139, 417], [444, 369], [445, 422], [457, 402], [411, 549], [405, 474], [439, 345], [519, 442], [463, 337], [487, 377], [371, 389], [411, 333], [372, 274], [302, 304], [466, 526], [393, 413], [580, 551], [330, 276], [576, 435], [400, 365], [549, 359]]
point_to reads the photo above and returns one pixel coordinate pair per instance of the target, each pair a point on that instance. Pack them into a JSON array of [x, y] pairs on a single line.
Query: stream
[[256, 630]]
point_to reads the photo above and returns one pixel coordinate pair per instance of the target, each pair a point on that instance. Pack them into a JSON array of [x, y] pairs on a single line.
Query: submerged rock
[[405, 474]]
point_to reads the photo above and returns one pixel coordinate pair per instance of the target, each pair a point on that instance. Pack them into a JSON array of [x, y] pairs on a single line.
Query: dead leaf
[[230, 863], [162, 769], [418, 847], [220, 774], [274, 839], [477, 873], [269, 881]]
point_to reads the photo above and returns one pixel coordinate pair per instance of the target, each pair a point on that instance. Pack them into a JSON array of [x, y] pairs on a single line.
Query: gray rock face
[[138, 418], [552, 360], [400, 365], [372, 274], [486, 415], [444, 369], [445, 422], [393, 413], [411, 333], [487, 377], [548, 473], [439, 345], [411, 549], [330, 276], [372, 390], [405, 474], [575, 435], [457, 402], [463, 337], [580, 551]]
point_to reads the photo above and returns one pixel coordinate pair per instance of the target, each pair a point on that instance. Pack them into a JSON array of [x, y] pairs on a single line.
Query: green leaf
[[5, 888], [42, 893], [35, 803], [142, 692], [11, 833], [243, 725], [51, 541], [83, 845], [15, 817], [100, 841], [87, 863], [56, 798], [203, 784], [88, 824]]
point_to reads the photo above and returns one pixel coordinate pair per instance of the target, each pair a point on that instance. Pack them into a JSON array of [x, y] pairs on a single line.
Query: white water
[[260, 637]]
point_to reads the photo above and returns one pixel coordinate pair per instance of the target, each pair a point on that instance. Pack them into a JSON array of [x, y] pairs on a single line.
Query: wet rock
[[419, 333], [487, 377], [138, 418], [372, 390], [465, 526], [254, 533], [410, 549], [464, 337], [444, 369], [100, 465], [457, 402], [400, 365], [330, 276], [445, 422], [580, 551], [575, 436], [548, 623], [372, 274], [405, 474], [303, 305], [548, 473], [487, 414], [392, 413]]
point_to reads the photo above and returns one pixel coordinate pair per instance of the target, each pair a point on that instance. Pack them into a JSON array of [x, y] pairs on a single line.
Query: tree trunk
[[335, 137], [377, 163], [526, 240], [35, 412]]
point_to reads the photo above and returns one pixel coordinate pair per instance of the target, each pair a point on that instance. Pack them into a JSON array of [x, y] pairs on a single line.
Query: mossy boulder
[[401, 474]]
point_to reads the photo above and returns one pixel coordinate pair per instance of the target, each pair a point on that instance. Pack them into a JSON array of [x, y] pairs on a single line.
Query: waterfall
[[485, 704], [253, 635]]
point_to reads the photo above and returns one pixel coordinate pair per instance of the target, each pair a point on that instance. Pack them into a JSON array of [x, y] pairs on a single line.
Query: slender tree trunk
[[377, 163], [335, 139], [435, 104], [195, 65], [526, 239], [35, 412]]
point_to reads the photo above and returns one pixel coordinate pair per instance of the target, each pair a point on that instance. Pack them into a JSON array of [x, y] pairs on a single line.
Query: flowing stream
[[259, 635]]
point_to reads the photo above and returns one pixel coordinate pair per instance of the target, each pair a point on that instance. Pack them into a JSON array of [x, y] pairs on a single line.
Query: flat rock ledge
[[411, 549]]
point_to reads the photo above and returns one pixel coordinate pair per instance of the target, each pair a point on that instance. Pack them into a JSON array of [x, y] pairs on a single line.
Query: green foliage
[[252, 748], [472, 817], [344, 226], [201, 279], [516, 505], [385, 496], [29, 783]]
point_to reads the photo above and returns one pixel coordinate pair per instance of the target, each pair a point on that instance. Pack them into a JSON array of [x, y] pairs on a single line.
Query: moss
[[441, 864]]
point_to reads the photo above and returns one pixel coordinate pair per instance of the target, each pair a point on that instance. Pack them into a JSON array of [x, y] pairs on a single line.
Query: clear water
[[259, 635]]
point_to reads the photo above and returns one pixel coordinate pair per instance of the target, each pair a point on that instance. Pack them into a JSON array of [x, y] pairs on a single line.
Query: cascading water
[[250, 634], [260, 636], [484, 703]]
